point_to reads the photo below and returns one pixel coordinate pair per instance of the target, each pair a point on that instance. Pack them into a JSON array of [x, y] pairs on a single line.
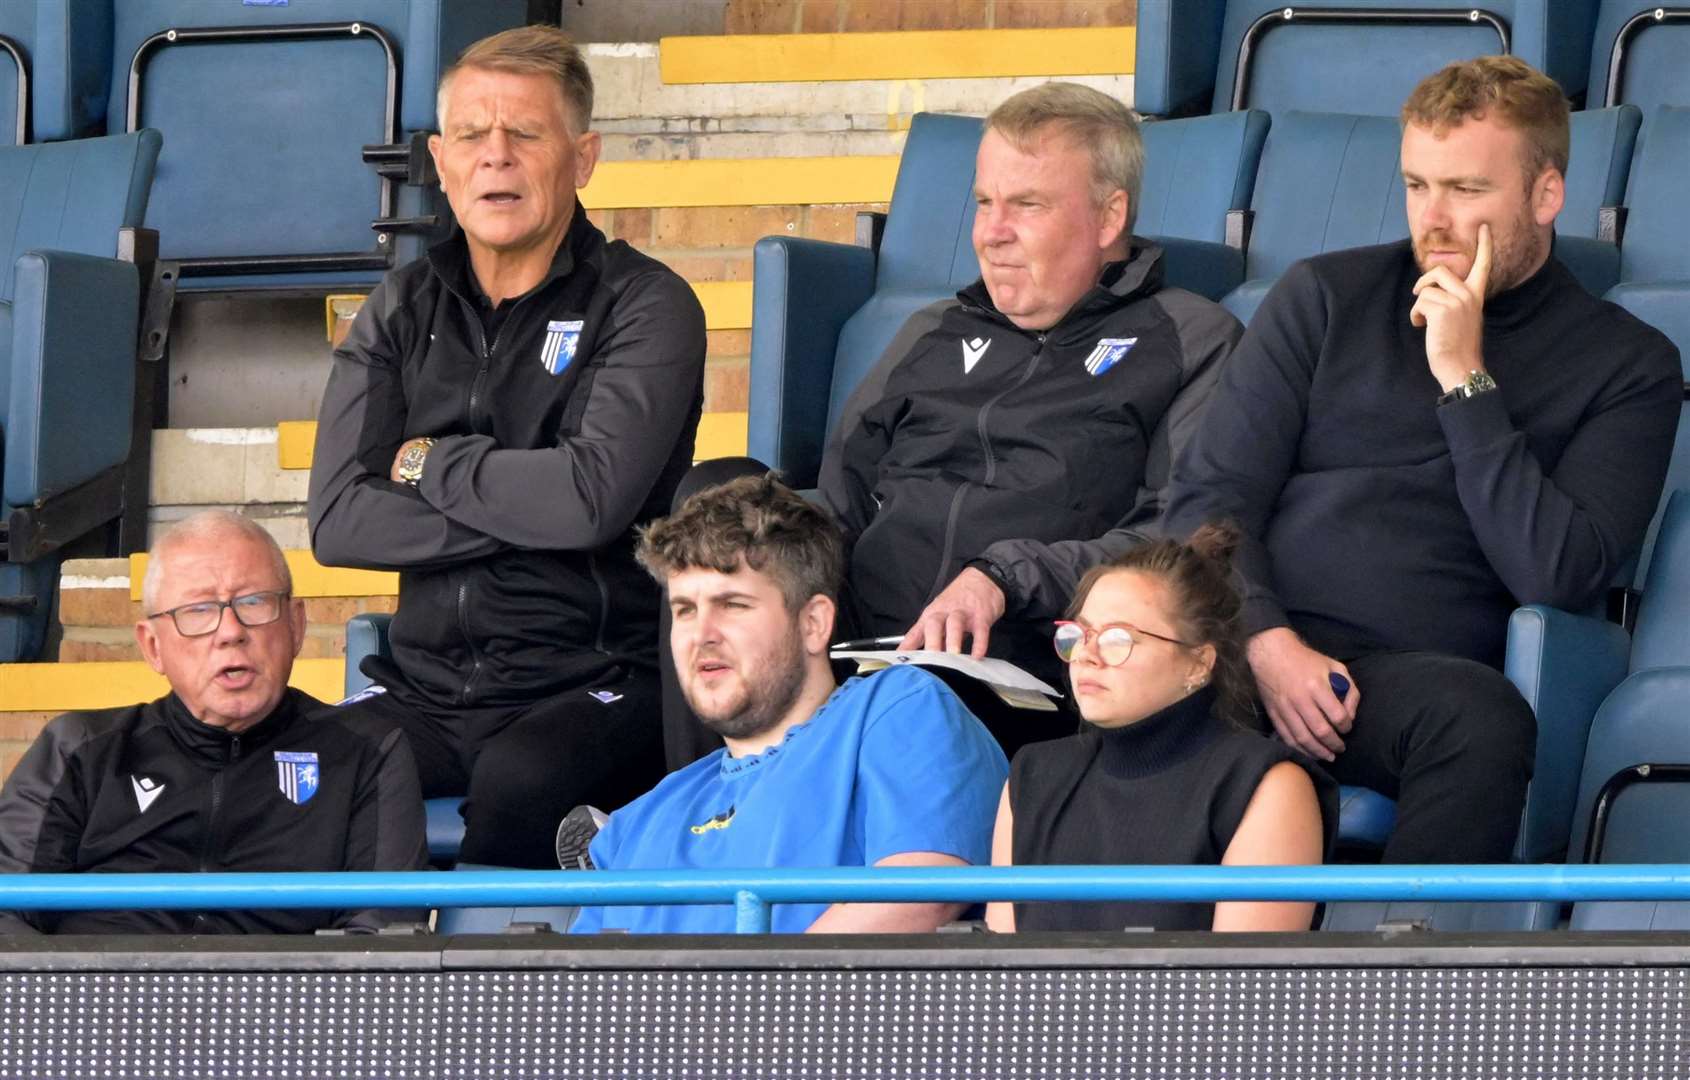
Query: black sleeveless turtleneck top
[[1167, 790]]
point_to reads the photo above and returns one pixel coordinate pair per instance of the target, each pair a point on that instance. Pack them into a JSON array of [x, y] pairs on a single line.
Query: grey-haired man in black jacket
[[502, 416], [230, 771]]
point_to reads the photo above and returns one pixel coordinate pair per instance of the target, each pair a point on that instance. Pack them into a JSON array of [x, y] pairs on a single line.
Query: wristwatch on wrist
[[411, 461], [1478, 382]]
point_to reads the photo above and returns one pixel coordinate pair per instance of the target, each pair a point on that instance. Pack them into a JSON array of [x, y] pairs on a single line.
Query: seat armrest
[[68, 418], [803, 292], [366, 635], [1564, 665]]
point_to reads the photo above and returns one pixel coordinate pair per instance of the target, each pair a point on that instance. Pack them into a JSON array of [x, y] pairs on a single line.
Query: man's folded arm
[[1560, 538], [358, 515], [646, 381], [1039, 578]]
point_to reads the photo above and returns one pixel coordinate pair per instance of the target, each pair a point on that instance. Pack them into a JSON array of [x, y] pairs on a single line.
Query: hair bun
[[1216, 542]]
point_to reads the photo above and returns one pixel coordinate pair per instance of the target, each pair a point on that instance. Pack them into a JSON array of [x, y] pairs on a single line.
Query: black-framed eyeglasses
[[205, 616], [1115, 641]]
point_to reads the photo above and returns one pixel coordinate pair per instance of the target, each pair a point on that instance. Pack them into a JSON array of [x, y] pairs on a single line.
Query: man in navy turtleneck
[[1415, 439]]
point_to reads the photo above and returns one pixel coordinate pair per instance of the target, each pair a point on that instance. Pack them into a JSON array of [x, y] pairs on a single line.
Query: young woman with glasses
[[1167, 771]]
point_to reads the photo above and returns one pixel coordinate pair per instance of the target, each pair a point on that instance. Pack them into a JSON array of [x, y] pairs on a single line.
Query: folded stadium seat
[[1199, 174], [1655, 259], [1593, 686], [1360, 56], [69, 316], [270, 189], [1333, 180], [1637, 54], [55, 59], [498, 920], [366, 635]]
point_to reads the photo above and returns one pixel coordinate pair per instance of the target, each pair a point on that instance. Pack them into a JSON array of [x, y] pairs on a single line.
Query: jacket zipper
[[943, 577], [233, 756], [468, 691]]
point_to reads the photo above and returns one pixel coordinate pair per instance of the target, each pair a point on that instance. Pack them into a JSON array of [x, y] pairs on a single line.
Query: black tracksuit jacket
[[515, 551], [1044, 456], [150, 789]]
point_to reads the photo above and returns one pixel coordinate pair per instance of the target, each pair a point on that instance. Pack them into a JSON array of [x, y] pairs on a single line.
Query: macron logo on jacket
[[147, 790], [972, 351]]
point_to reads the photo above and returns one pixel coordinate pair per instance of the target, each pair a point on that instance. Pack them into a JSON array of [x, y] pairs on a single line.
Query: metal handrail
[[752, 892]]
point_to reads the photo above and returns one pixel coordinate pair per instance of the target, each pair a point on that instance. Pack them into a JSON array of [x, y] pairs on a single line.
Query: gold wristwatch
[[1477, 382], [411, 461]]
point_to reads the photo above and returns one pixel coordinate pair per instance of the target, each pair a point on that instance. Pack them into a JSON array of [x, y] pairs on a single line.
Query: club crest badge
[[1108, 353], [297, 775], [559, 347]]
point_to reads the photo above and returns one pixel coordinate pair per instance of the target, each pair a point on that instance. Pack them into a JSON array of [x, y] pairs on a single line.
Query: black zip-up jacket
[[515, 551], [150, 789], [1032, 455]]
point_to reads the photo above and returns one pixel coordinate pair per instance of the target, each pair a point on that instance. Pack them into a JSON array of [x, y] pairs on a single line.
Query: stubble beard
[[1515, 252], [769, 693]]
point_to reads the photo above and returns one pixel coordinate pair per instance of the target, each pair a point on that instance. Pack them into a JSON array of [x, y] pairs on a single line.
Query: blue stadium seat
[[269, 189], [69, 316], [1605, 701], [1360, 56], [1637, 57], [1199, 175], [1655, 260], [366, 635], [824, 312], [496, 920], [55, 58], [1333, 180]]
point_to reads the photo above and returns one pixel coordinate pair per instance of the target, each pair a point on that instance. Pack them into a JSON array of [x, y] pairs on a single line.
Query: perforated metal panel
[[1576, 1022], [192, 1024]]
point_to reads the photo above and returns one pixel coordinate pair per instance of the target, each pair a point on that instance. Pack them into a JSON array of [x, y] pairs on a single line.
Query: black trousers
[[522, 769], [1453, 742]]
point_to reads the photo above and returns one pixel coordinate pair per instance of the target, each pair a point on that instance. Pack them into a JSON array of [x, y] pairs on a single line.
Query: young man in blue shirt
[[888, 770]]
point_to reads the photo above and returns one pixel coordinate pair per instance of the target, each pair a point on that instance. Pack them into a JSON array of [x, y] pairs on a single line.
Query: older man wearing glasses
[[233, 770]]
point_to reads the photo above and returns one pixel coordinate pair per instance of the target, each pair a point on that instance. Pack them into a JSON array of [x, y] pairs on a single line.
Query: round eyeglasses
[[1115, 641], [205, 616]]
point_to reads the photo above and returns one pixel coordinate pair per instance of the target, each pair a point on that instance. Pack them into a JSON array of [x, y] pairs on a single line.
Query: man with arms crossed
[[502, 415], [1419, 437], [230, 771], [888, 770]]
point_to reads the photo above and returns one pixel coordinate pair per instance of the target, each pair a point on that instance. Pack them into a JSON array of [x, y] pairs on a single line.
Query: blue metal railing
[[752, 892]]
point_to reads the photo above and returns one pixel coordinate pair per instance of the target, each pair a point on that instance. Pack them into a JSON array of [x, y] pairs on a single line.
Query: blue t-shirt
[[890, 763]]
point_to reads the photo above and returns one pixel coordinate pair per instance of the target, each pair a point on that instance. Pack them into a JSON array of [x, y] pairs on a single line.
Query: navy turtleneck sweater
[[1376, 519], [1167, 790]]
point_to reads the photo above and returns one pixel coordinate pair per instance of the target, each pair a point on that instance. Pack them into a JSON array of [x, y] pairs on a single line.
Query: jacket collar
[[1122, 282], [214, 744], [451, 263]]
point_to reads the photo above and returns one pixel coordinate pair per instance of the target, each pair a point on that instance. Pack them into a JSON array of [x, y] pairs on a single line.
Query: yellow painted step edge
[[741, 182], [108, 684], [720, 434], [311, 579], [904, 54]]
